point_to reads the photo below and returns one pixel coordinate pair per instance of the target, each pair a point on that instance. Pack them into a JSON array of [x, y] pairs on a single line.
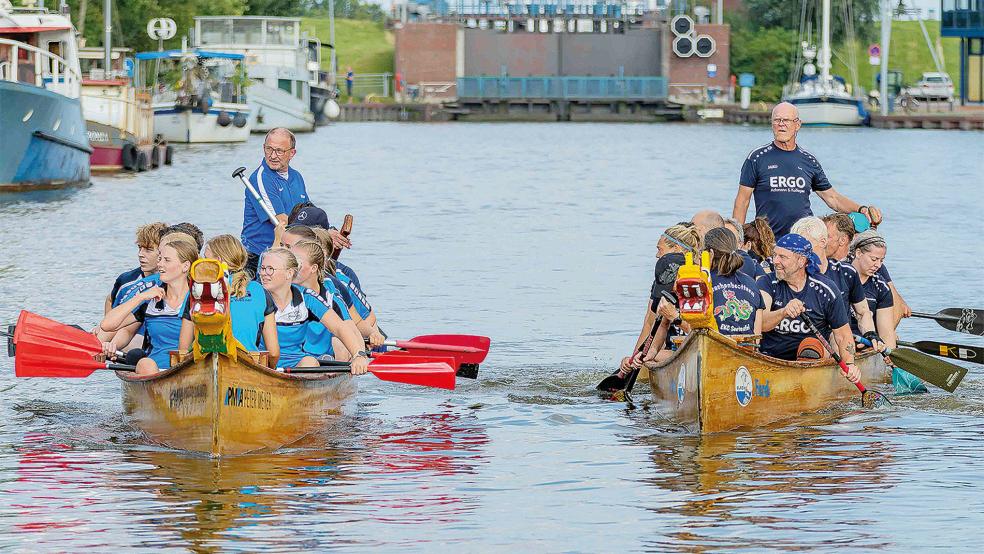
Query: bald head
[[785, 109], [705, 220], [785, 124]]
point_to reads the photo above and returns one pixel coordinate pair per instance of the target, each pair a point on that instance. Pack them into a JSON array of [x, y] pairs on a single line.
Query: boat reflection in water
[[771, 483]]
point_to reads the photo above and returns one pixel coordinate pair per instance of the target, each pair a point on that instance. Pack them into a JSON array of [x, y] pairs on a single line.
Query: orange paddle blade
[[37, 359], [467, 349], [410, 371], [31, 326]]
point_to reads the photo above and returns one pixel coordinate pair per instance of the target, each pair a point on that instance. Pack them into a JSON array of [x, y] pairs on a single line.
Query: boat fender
[[240, 120], [203, 104], [331, 109], [143, 162], [168, 154], [223, 120], [129, 155], [155, 156]]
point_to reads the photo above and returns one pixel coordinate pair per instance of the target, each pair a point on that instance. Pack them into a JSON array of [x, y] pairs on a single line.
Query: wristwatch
[[364, 353]]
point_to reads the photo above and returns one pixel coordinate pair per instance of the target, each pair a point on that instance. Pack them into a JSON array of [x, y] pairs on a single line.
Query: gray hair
[[813, 228], [867, 240], [736, 228], [281, 131]]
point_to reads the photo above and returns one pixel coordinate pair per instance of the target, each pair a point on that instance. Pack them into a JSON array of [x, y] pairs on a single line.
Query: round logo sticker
[[681, 383], [743, 386]]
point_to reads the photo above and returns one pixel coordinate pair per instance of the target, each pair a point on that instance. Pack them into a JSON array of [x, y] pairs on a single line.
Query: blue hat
[[312, 216], [800, 245]]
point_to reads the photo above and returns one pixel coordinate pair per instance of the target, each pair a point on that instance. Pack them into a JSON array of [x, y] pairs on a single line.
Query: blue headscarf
[[799, 245]]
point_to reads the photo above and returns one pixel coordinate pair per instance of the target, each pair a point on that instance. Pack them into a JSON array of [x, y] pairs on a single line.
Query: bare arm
[[886, 325], [270, 339], [837, 201], [845, 343], [108, 305], [742, 199], [770, 319], [647, 327], [659, 340], [345, 330], [865, 320], [759, 315], [122, 315], [187, 336]]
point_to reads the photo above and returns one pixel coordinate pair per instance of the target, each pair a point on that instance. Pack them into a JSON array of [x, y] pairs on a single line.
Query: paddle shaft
[[833, 353], [259, 199], [644, 347], [429, 346], [948, 350], [345, 231]]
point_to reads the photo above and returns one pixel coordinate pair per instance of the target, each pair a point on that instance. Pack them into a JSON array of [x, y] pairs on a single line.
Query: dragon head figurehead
[[210, 308], [695, 294]]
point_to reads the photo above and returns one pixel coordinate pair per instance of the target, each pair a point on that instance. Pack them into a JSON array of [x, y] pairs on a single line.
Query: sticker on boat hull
[[743, 386], [682, 383]]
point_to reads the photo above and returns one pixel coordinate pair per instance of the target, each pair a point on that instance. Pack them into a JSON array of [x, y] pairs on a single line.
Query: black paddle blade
[[934, 371], [963, 320], [949, 350], [11, 348], [612, 383], [468, 371], [874, 399]]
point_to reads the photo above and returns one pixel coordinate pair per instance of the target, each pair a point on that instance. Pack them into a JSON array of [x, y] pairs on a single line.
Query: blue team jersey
[[125, 279], [305, 307], [349, 272], [129, 290], [318, 339], [750, 266], [823, 305], [736, 303], [278, 192], [879, 296], [782, 181], [847, 280], [359, 301], [162, 328]]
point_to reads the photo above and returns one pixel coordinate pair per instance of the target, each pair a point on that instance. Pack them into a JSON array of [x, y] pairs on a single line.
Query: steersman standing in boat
[[781, 175]]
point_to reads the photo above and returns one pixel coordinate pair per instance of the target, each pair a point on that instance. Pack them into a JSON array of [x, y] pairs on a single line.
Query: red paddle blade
[[36, 359], [424, 371], [31, 326], [479, 343]]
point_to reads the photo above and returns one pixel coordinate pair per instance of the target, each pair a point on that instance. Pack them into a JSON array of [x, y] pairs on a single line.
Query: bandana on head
[[799, 245]]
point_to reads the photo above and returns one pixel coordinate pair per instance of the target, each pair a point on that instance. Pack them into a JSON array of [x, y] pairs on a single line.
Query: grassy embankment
[[363, 45], [908, 53]]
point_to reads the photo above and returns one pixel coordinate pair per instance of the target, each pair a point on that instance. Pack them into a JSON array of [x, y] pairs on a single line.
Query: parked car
[[932, 85]]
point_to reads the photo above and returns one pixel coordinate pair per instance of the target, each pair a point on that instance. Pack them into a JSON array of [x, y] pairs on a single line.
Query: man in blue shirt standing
[[279, 186], [781, 175]]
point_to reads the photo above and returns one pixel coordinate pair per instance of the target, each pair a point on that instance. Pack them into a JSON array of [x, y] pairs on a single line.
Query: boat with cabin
[[199, 95], [824, 99], [119, 115], [281, 64], [44, 134]]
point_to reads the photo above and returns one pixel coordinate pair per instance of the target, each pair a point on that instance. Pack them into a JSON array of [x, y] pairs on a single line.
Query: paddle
[[36, 358], [948, 350], [869, 398], [615, 384], [345, 231], [428, 372], [961, 320], [249, 186], [944, 375], [466, 352]]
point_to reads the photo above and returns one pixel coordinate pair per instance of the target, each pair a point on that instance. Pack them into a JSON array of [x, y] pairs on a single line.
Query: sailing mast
[[824, 61], [108, 35]]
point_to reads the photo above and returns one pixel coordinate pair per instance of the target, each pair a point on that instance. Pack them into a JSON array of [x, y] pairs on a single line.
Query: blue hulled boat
[[43, 140]]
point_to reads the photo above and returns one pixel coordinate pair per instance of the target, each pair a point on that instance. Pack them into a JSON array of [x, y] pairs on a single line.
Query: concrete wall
[[521, 54], [693, 70], [426, 52]]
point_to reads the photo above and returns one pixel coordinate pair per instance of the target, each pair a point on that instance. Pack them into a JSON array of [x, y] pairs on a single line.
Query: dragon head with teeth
[[695, 295], [209, 284]]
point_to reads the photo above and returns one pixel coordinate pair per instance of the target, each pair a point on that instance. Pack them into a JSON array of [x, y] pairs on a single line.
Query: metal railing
[[546, 8], [563, 88], [39, 68], [366, 84]]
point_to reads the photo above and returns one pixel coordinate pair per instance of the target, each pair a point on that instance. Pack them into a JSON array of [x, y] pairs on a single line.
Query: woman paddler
[[159, 308], [673, 243], [737, 300], [311, 261], [868, 251], [298, 307], [250, 306], [760, 242]]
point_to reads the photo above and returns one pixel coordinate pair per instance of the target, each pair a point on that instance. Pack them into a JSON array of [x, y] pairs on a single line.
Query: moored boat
[[44, 135], [711, 384], [220, 407]]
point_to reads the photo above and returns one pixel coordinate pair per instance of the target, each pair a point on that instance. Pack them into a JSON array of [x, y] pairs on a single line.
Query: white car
[[933, 85]]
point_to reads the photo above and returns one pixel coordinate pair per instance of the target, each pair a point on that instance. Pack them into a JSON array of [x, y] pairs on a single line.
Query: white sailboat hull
[[271, 108], [820, 111], [192, 126]]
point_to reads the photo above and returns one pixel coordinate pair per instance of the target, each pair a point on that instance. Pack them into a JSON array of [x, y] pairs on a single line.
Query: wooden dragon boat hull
[[713, 385], [222, 407]]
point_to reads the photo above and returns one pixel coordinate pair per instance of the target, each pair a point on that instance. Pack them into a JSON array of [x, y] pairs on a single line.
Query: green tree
[[766, 53], [788, 14]]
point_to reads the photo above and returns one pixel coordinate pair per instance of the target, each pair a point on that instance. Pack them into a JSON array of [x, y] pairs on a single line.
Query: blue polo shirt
[[125, 279], [824, 307], [278, 191], [847, 280], [879, 296], [782, 181], [129, 290]]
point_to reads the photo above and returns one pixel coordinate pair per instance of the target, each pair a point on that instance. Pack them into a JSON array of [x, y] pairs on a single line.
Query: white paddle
[[249, 186]]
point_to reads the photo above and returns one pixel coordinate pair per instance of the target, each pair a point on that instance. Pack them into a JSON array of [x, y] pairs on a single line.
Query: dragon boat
[[714, 383], [221, 400]]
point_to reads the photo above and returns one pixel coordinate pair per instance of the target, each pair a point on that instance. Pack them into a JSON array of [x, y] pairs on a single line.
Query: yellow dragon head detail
[[695, 294], [210, 309]]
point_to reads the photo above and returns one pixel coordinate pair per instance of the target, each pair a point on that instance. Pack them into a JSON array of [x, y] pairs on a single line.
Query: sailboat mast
[[108, 35], [824, 61]]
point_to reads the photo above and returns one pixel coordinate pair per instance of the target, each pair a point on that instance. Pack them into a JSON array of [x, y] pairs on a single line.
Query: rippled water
[[541, 236]]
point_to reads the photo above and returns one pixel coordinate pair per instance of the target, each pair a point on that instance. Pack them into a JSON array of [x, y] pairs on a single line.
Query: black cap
[[312, 216]]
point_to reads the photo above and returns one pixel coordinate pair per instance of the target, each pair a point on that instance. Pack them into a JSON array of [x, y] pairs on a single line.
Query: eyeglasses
[[784, 121], [268, 269], [275, 151]]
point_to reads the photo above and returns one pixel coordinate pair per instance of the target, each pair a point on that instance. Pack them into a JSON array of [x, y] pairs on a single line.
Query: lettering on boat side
[[681, 383], [182, 397], [743, 386], [247, 398]]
